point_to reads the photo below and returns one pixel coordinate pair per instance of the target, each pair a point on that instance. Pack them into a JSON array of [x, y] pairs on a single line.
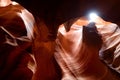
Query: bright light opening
[[93, 16]]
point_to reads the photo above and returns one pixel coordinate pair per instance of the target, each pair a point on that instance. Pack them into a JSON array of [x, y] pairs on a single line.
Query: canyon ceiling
[[61, 10]]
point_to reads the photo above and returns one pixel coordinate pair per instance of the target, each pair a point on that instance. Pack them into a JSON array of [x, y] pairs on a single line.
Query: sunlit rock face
[[77, 50], [80, 50], [16, 32]]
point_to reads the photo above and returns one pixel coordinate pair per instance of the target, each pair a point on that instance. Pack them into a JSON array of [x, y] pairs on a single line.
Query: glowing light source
[[93, 16]]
